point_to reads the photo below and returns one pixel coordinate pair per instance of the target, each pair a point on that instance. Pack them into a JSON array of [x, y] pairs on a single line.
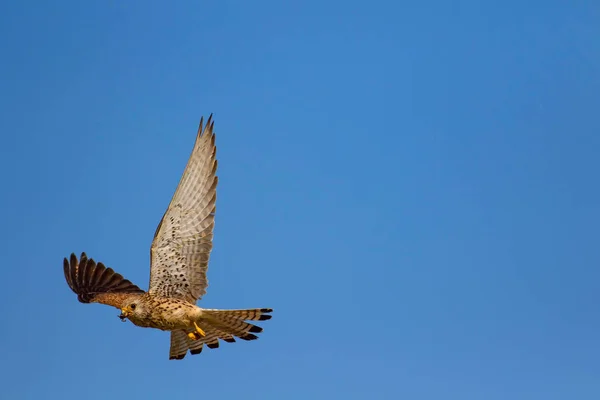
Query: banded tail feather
[[225, 325]]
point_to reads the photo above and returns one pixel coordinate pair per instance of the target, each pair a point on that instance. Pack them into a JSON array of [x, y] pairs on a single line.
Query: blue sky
[[412, 186]]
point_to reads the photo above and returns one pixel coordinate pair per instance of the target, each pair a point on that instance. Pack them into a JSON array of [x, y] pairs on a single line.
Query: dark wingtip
[[200, 125], [87, 279], [229, 340], [265, 317], [178, 357], [255, 329], [209, 125], [67, 271]]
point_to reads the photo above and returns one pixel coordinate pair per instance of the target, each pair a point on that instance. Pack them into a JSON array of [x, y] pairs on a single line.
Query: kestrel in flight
[[178, 262]]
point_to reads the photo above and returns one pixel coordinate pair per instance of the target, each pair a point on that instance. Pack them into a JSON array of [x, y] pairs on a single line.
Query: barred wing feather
[[181, 248]]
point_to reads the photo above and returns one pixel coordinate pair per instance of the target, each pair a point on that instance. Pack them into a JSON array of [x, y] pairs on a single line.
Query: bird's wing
[[94, 283], [182, 242]]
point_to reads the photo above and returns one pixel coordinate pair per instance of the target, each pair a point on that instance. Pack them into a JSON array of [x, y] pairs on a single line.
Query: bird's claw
[[197, 334]]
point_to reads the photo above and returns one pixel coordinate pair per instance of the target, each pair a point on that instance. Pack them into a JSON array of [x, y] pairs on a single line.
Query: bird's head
[[132, 308]]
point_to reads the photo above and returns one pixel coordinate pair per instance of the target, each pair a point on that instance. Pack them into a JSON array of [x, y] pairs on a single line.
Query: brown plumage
[[180, 254], [95, 283]]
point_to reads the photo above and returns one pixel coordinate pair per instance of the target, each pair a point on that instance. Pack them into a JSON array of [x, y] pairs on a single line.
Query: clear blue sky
[[413, 187]]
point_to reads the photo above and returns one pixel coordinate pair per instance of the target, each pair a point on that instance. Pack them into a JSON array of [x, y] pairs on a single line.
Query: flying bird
[[179, 258]]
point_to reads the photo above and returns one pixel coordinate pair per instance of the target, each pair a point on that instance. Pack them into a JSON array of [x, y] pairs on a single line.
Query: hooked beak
[[124, 314]]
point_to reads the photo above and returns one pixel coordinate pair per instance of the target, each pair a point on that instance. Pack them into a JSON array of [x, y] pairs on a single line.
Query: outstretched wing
[[94, 283], [183, 240]]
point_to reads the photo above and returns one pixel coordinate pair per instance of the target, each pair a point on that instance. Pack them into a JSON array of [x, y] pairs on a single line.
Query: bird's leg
[[196, 335]]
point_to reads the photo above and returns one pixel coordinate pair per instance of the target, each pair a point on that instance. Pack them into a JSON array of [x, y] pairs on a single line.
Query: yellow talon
[[199, 330], [197, 334]]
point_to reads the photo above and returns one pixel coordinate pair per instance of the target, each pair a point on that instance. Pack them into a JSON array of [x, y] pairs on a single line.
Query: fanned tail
[[219, 324]]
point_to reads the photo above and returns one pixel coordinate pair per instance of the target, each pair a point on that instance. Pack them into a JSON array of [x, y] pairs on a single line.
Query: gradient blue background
[[412, 186]]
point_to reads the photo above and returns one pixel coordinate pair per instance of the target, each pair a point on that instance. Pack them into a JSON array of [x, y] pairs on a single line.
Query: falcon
[[179, 258]]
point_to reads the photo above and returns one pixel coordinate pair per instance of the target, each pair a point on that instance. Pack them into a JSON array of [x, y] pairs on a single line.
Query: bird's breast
[[173, 314]]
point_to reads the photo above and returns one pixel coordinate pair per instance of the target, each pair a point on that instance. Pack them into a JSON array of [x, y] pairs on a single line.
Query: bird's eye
[[133, 306]]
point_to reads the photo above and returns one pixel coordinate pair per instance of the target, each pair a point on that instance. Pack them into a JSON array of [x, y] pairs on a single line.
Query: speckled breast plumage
[[164, 313]]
